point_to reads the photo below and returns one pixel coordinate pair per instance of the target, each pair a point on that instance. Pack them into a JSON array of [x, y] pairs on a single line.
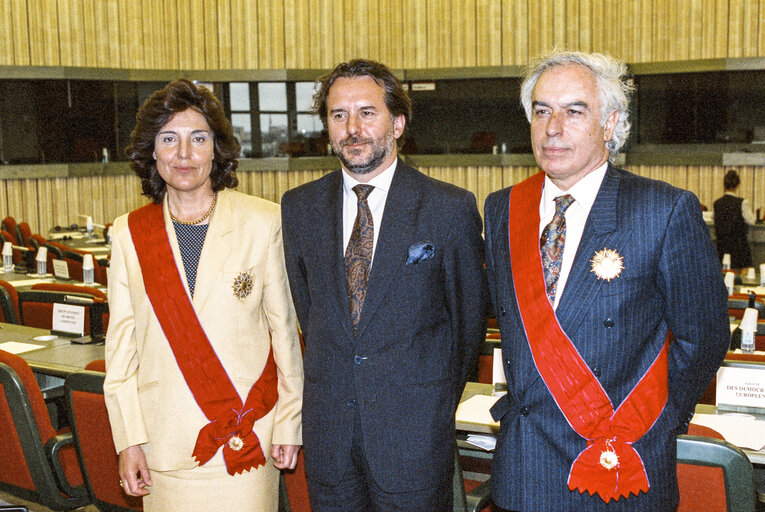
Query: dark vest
[[731, 231]]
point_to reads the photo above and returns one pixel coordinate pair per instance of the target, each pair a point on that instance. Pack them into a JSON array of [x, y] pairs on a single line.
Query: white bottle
[[87, 269], [748, 326], [730, 282], [42, 261], [726, 261], [89, 225], [8, 257]]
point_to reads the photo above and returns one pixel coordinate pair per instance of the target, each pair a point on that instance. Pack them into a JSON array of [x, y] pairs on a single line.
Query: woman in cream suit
[[204, 372]]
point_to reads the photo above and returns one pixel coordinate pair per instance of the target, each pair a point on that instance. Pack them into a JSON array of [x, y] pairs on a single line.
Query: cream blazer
[[147, 398]]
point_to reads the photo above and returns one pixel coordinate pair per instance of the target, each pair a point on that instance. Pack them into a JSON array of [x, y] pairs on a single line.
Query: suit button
[[502, 311], [596, 372], [608, 322], [358, 359], [351, 402], [524, 411]]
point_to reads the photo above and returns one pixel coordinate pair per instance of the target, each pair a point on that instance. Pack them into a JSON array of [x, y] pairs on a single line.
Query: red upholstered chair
[[97, 365], [38, 463], [9, 309], [713, 475], [36, 307], [93, 433], [5, 236], [469, 494], [76, 288], [23, 232], [9, 226]]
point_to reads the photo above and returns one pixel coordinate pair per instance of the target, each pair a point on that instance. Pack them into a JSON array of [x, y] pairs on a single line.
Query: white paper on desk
[[759, 290], [16, 347], [484, 441], [60, 269], [28, 282], [743, 430], [476, 410], [498, 369]]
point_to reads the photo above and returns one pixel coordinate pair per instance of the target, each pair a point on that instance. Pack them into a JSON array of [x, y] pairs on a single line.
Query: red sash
[[231, 421], [609, 466]]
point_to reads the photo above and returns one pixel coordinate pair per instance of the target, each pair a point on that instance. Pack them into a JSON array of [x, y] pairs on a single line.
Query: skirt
[[208, 489]]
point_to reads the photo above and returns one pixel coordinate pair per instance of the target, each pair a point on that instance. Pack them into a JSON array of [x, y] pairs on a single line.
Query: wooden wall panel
[[266, 34], [47, 202]]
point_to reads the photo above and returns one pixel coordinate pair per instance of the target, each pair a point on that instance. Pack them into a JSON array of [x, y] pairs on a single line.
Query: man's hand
[[134, 473], [285, 455]]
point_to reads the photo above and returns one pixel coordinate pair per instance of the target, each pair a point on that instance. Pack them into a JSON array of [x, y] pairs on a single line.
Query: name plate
[[69, 319], [741, 387], [60, 269]]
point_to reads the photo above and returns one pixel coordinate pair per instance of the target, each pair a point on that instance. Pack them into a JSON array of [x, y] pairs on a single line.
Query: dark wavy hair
[[156, 112], [731, 180], [396, 98]]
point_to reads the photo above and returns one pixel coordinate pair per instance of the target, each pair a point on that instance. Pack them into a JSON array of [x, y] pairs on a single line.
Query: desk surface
[[58, 357]]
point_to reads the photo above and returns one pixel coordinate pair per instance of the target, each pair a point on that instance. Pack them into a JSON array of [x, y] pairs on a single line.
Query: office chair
[[23, 232], [95, 449], [726, 482], [38, 464], [9, 303], [36, 308], [9, 226]]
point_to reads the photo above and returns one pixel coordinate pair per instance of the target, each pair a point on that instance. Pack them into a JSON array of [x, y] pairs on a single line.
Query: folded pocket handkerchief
[[420, 252]]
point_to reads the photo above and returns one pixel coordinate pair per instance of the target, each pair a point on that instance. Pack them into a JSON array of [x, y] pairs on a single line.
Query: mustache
[[355, 139]]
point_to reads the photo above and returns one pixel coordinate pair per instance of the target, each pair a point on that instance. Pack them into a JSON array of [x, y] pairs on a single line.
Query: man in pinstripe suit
[[597, 388]]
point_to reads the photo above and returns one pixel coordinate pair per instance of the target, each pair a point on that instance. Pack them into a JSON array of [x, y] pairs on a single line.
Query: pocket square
[[420, 252]]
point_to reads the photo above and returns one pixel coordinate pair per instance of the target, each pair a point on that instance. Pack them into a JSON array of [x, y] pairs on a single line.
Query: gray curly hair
[[609, 74]]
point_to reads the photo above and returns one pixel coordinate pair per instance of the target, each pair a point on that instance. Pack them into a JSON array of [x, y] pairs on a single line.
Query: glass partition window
[[272, 113], [241, 119]]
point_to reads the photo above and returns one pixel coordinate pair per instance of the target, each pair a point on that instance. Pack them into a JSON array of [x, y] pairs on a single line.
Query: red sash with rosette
[[609, 465], [231, 421]]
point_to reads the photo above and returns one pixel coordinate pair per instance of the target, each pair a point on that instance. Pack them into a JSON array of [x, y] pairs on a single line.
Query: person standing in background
[[386, 272], [733, 216]]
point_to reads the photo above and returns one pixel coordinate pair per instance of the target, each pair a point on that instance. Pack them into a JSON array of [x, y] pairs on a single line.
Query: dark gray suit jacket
[[671, 280], [420, 331]]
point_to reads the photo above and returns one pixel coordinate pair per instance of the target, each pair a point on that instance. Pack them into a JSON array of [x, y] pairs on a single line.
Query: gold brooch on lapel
[[242, 285], [607, 264]]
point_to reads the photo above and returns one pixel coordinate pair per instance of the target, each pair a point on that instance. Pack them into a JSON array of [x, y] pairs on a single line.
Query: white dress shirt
[[584, 192], [376, 201]]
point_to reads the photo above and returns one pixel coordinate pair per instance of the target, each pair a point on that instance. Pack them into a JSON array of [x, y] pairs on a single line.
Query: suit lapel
[[581, 287], [216, 248], [327, 230], [396, 233]]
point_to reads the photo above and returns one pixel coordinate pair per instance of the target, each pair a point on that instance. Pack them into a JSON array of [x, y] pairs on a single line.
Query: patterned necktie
[[358, 255], [552, 242]]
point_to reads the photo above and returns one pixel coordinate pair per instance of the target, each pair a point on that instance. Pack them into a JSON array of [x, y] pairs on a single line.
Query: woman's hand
[[134, 472], [285, 455]]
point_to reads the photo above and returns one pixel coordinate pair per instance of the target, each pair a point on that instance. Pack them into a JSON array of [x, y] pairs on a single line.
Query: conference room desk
[[80, 240], [26, 281], [475, 388], [54, 359]]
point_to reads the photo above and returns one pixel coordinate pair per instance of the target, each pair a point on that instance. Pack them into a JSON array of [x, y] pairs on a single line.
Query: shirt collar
[[584, 191], [382, 181]]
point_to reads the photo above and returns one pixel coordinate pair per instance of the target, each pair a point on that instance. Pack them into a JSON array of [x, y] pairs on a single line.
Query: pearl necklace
[[198, 221]]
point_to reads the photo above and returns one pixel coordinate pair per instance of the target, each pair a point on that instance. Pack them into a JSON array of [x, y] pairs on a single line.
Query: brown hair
[[396, 98], [178, 96], [731, 180]]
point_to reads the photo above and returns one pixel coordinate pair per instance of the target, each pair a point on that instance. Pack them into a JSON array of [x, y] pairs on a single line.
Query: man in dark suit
[[390, 292], [590, 267]]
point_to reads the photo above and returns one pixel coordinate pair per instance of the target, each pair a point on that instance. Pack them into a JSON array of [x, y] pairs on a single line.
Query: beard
[[381, 149]]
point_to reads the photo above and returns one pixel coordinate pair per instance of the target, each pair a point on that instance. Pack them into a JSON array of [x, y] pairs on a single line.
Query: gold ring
[[121, 483]]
